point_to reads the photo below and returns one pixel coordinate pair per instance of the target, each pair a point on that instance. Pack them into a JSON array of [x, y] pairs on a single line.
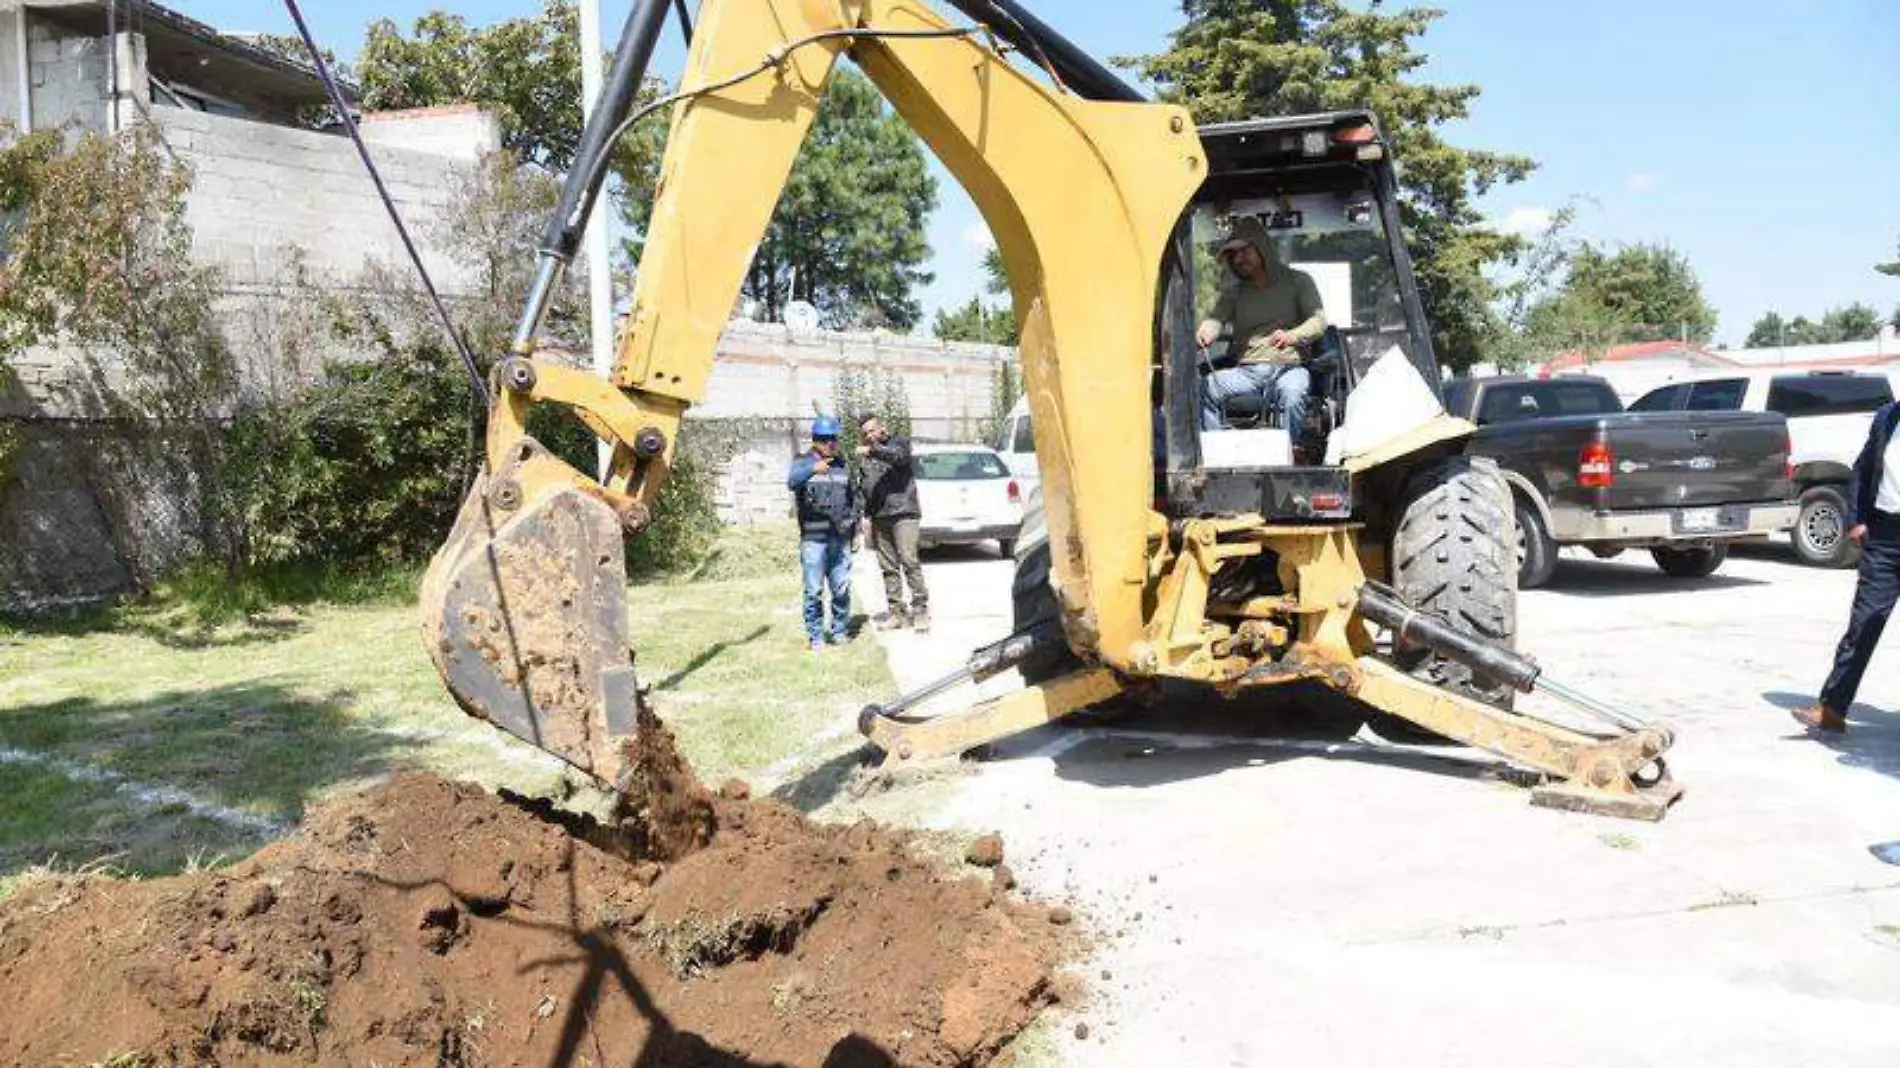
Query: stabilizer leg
[[1603, 776], [1012, 713]]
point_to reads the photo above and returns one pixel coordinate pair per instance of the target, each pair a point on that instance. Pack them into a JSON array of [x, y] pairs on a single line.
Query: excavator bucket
[[525, 617]]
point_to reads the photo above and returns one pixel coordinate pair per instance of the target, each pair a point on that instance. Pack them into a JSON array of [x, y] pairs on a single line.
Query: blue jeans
[[1288, 383], [826, 562]]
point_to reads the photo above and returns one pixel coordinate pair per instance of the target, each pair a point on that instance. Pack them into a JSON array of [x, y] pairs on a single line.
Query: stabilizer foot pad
[[1648, 803]]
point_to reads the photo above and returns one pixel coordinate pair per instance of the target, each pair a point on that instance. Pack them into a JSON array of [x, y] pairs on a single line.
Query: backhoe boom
[[1081, 196]]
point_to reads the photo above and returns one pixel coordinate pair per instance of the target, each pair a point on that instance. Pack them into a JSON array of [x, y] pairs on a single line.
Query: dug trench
[[433, 923]]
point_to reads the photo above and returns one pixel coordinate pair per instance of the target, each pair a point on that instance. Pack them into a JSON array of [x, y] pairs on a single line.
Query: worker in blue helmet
[[829, 508]]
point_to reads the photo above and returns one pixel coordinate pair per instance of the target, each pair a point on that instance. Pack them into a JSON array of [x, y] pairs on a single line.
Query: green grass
[[262, 709]]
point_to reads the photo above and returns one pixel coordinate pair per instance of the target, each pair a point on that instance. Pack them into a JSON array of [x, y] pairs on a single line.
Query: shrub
[[364, 469]]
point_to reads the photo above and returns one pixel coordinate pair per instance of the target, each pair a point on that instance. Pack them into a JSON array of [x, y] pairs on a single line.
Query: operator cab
[[1321, 190]]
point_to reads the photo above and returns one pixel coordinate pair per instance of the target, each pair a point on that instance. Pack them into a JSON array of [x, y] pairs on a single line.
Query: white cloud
[[1524, 219], [1641, 182], [977, 236]]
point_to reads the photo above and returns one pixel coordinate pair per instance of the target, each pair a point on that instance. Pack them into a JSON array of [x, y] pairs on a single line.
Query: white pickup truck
[[1828, 416]]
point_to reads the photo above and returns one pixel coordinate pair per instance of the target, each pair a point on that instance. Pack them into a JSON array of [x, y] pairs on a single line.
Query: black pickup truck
[[1585, 472]]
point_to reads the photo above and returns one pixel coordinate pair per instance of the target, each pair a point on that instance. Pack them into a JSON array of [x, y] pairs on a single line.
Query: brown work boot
[[892, 621], [1819, 717], [920, 620]]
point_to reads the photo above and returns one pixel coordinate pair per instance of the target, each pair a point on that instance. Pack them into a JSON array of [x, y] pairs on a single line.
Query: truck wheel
[[1820, 533], [1690, 563], [1452, 556], [1033, 600], [1536, 552]]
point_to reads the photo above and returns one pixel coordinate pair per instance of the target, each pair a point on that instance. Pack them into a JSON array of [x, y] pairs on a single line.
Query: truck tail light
[[1015, 492], [1596, 466], [1787, 465]]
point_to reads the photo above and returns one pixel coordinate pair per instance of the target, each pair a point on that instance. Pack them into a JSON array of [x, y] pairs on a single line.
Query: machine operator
[[1271, 310]]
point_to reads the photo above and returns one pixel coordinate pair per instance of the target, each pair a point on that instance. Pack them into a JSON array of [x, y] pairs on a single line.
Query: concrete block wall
[[69, 76], [767, 370], [260, 193]]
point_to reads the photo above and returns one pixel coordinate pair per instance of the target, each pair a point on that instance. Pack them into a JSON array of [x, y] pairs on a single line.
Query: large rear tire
[[1454, 554]]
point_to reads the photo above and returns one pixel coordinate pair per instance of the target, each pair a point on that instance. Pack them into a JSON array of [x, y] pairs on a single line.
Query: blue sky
[[1761, 139]]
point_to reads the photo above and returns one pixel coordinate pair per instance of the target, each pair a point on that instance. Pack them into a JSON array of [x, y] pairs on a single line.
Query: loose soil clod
[[1003, 878], [432, 923], [986, 851]]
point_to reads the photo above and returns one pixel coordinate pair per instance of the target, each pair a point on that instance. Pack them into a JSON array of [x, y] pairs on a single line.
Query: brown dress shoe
[[1819, 717]]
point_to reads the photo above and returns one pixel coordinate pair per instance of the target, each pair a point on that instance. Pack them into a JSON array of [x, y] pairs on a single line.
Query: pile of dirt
[[432, 923]]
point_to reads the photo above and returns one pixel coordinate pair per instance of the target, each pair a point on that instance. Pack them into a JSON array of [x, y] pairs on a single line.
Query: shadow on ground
[[708, 655], [1190, 740], [183, 778], [822, 785], [1606, 578], [1181, 735], [1872, 740], [171, 630]]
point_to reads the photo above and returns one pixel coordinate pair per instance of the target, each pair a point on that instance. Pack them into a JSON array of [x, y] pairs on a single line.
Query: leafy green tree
[[1769, 331], [1649, 291], [1235, 59], [1006, 388], [1855, 322], [1891, 267], [527, 71], [976, 321], [979, 320], [1852, 322], [95, 255], [995, 276], [848, 235]]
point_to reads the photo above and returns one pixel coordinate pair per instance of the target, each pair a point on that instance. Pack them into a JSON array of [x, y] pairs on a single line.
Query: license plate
[[1701, 519]]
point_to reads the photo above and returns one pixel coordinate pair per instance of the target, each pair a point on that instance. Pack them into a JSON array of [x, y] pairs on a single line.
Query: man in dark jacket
[[1873, 510], [829, 509], [890, 493]]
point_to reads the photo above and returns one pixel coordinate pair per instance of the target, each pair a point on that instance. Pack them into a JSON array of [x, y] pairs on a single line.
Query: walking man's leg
[[1875, 592], [1876, 589], [811, 563], [904, 533], [884, 541], [838, 575]]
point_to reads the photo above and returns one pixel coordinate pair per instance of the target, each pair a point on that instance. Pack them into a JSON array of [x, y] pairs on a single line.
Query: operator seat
[[1329, 382]]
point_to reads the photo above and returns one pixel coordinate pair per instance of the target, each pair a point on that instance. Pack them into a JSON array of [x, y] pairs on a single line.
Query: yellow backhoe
[[1375, 566]]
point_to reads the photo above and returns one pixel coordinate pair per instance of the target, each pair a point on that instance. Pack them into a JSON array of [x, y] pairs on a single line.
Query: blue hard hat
[[825, 427]]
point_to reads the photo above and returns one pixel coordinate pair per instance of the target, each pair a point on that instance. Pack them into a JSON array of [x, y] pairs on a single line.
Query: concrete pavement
[[1265, 900]]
